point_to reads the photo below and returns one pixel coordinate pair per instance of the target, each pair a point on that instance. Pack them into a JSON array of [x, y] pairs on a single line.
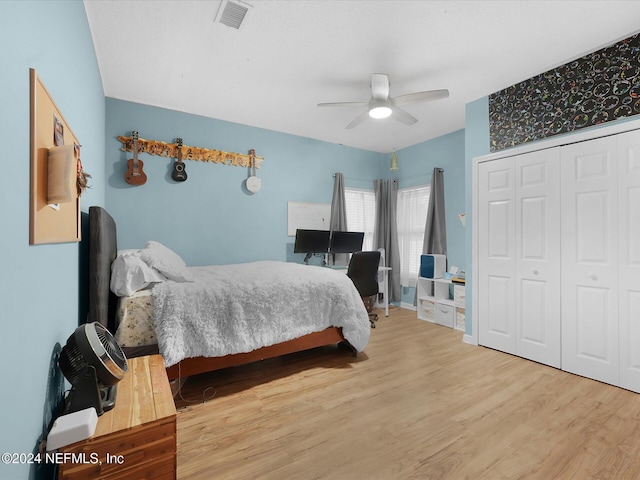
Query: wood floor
[[417, 404]]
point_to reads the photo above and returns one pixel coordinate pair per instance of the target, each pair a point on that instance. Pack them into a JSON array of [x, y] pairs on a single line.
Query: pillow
[[130, 274], [166, 261]]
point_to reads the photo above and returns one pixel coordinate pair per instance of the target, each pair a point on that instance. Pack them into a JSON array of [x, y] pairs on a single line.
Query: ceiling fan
[[381, 105]]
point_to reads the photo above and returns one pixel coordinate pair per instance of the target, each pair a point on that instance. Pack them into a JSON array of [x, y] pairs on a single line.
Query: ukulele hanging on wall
[[179, 173], [135, 175]]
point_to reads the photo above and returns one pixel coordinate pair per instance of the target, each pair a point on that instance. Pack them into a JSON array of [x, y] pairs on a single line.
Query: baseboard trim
[[408, 306]]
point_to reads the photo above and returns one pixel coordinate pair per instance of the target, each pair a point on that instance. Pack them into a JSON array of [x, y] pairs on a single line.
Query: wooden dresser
[[135, 440]]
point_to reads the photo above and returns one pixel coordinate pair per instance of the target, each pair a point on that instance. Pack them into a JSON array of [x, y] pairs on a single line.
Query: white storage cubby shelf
[[436, 305]]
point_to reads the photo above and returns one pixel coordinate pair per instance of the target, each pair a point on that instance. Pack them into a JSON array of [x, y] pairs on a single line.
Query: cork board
[[49, 223]]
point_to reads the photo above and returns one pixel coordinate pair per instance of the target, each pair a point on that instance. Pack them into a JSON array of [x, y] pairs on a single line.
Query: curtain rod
[[354, 178], [439, 169]]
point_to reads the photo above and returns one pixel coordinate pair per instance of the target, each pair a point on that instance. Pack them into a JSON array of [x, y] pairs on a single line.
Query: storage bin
[[460, 319], [432, 266], [444, 314], [427, 309], [459, 296]]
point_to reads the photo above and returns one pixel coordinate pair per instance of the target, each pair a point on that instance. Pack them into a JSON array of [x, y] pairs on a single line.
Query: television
[[311, 241], [346, 242]]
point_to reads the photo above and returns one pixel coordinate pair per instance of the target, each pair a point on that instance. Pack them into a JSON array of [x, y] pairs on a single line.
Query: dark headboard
[[102, 252]]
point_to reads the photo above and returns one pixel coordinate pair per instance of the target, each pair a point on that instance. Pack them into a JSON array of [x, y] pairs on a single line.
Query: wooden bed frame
[[103, 306], [193, 366]]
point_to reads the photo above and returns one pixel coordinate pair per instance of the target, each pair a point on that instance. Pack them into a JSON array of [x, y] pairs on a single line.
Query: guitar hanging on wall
[[135, 175], [179, 173]]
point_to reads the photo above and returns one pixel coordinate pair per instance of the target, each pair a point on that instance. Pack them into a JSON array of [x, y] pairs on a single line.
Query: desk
[[385, 285], [385, 289]]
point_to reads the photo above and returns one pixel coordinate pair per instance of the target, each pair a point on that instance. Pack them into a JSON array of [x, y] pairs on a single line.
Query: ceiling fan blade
[[420, 97], [379, 86], [403, 116], [344, 104], [358, 120]]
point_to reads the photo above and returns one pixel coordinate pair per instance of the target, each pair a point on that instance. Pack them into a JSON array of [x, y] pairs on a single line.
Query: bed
[[167, 309]]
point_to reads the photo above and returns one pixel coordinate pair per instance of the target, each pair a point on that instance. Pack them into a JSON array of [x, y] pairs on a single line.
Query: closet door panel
[[531, 315], [496, 308], [590, 259], [537, 236], [592, 335], [629, 261], [499, 315]]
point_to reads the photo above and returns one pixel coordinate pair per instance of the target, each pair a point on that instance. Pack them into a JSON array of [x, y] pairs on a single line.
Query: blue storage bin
[[432, 265]]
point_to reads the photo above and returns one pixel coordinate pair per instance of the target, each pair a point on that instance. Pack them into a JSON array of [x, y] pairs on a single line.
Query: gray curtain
[[338, 221], [385, 231], [435, 232]]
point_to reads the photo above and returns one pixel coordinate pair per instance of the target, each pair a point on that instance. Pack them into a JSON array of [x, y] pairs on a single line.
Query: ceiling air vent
[[232, 13]]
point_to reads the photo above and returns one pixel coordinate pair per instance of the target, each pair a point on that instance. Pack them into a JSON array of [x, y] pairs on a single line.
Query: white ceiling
[[288, 56]]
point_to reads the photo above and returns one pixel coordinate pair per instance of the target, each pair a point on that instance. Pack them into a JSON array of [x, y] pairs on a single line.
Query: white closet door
[[496, 255], [537, 273], [629, 258], [589, 228]]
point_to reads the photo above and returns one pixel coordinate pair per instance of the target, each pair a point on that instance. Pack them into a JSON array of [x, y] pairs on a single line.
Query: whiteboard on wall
[[311, 216]]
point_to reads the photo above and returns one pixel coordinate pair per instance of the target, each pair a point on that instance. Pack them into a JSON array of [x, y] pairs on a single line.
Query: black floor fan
[[94, 363]]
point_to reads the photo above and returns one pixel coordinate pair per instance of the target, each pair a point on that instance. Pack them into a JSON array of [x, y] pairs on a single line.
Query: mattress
[[135, 320]]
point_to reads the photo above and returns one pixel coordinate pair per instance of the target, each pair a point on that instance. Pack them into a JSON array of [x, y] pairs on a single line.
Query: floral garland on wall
[[155, 147]]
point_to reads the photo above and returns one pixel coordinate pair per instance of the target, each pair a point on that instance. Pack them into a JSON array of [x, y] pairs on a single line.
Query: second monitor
[[346, 242]]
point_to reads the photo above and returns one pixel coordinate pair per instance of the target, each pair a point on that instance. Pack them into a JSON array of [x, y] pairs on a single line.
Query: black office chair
[[363, 271]]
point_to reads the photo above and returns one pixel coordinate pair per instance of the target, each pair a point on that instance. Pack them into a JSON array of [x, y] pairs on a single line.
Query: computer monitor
[[346, 242], [311, 241]]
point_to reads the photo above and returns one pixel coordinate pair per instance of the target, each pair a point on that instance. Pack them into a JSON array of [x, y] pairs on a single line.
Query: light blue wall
[[476, 144], [40, 287], [416, 168], [211, 218], [416, 164]]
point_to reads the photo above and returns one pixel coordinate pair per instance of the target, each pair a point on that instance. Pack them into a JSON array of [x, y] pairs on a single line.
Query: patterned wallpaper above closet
[[600, 87]]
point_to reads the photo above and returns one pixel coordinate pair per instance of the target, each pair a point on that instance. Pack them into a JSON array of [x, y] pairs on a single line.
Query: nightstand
[[135, 440]]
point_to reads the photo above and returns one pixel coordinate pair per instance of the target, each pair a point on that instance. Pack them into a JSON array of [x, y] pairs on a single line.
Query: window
[[413, 204], [361, 213]]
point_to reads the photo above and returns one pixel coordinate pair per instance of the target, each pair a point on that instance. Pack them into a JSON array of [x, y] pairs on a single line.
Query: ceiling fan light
[[379, 112]]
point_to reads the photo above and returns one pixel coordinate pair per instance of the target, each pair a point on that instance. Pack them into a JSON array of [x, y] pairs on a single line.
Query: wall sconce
[[394, 161]]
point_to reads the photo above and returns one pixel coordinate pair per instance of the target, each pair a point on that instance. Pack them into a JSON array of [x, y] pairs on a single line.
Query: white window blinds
[[413, 204], [361, 211]]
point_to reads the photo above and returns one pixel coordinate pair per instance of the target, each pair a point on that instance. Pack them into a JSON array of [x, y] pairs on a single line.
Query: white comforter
[[238, 308]]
